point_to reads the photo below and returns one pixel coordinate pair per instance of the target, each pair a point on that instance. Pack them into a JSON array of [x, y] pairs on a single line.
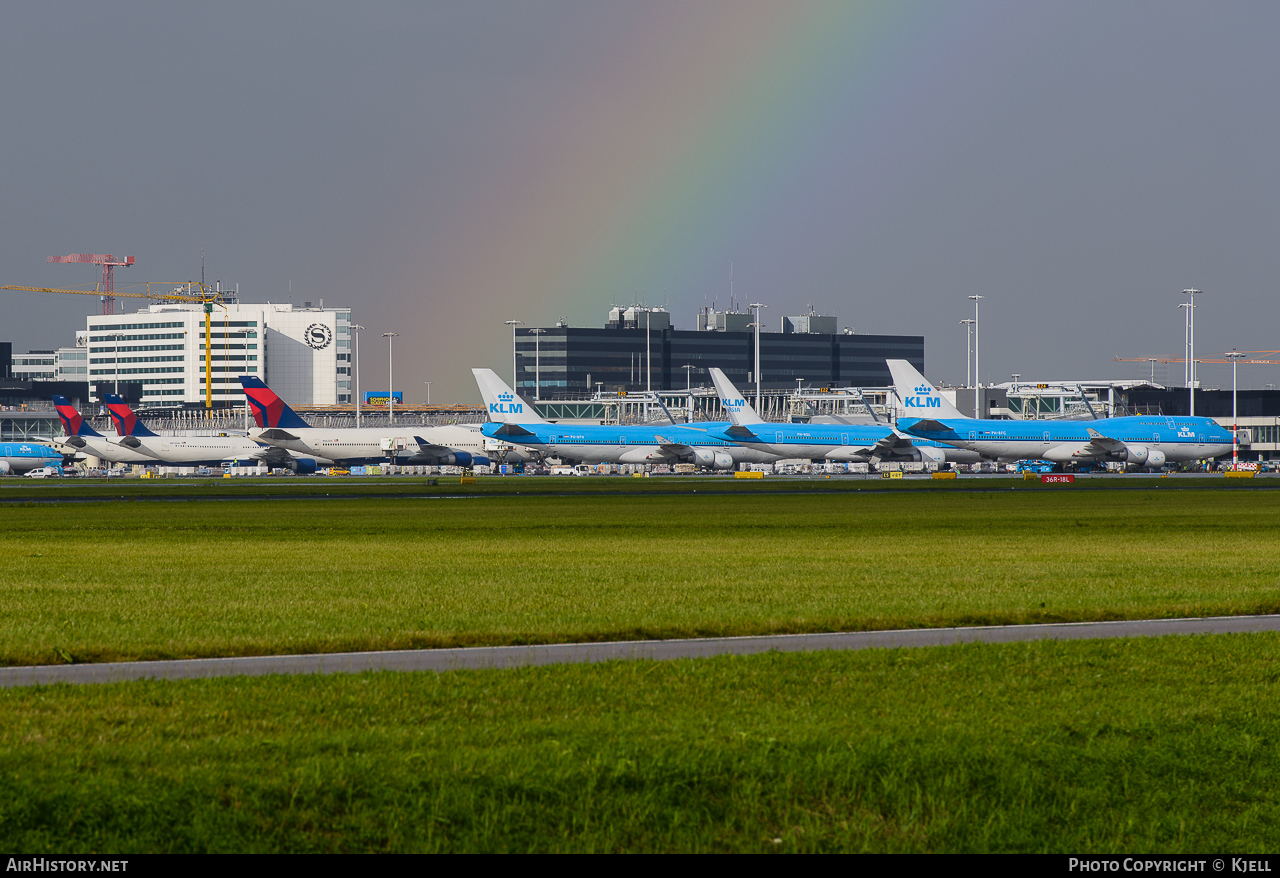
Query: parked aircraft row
[[945, 436], [283, 439]]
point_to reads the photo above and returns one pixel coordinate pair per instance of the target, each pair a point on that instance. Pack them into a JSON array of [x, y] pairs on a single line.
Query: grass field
[[100, 581], [1139, 746]]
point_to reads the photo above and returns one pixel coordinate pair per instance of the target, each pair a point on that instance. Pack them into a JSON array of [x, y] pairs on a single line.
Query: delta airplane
[[839, 442], [83, 439], [21, 457], [280, 426], [1143, 440], [514, 420], [199, 450]]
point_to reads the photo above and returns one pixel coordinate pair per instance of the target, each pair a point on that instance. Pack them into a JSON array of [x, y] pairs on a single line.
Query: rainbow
[[639, 182]]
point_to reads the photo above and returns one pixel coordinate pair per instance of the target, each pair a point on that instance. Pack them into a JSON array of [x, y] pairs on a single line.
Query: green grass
[[1139, 746], [106, 581]]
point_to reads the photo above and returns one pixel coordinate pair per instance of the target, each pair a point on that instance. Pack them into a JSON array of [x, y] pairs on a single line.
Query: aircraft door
[[778, 438], [973, 435], [1046, 437], [844, 438], [622, 440]]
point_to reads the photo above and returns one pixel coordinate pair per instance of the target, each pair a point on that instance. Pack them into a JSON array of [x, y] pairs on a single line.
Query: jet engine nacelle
[[303, 466], [930, 454], [462, 458], [1141, 455], [4, 467], [709, 459]]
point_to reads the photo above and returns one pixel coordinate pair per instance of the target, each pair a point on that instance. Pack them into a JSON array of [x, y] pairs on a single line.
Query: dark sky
[[442, 167]]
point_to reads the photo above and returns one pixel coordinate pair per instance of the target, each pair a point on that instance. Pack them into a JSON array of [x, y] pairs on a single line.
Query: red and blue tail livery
[[71, 420], [269, 410], [127, 423]]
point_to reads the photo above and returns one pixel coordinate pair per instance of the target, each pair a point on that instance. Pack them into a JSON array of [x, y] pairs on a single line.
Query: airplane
[[514, 420], [21, 457], [838, 442], [83, 439], [1141, 440], [200, 450], [280, 426]]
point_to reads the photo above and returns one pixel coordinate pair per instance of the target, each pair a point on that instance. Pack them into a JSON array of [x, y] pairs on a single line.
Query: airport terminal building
[[639, 349], [303, 352]]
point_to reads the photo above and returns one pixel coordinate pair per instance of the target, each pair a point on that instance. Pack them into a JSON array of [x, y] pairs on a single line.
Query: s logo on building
[[318, 336]]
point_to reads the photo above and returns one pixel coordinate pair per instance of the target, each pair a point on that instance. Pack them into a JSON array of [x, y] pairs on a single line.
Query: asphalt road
[[659, 650]]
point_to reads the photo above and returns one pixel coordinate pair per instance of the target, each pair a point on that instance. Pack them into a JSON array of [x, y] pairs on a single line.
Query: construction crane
[[204, 297], [108, 263]]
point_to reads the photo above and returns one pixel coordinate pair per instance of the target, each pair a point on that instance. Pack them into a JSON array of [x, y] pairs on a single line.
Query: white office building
[[64, 364], [304, 353]]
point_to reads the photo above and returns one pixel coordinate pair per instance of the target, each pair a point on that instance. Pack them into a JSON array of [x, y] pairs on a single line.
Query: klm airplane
[[838, 442], [21, 457], [1143, 440], [513, 420]]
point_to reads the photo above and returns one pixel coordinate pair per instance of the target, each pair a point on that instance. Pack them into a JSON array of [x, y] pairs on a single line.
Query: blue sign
[[379, 397]]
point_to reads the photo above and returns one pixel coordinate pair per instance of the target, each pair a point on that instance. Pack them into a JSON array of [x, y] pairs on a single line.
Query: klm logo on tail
[[506, 405], [733, 404], [923, 400]]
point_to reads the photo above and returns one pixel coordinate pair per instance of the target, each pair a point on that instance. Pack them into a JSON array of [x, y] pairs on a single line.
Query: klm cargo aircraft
[[1143, 440], [513, 420], [838, 442]]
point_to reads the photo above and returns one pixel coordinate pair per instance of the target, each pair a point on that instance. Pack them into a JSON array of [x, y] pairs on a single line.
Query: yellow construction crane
[[190, 296]]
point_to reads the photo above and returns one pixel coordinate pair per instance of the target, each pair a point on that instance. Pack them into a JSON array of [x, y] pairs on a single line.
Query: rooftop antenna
[[730, 284], [201, 265]]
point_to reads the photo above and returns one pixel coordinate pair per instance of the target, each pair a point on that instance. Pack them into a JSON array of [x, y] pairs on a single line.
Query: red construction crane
[[108, 263]]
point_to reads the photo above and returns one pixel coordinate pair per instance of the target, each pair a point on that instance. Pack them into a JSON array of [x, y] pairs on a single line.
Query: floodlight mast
[[391, 391], [513, 324], [1191, 345], [977, 376], [757, 306], [1234, 356], [356, 327]]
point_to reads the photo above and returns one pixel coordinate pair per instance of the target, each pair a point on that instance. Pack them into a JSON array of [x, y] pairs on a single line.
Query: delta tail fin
[[501, 401], [919, 398], [71, 420], [740, 411], [127, 423], [269, 410]]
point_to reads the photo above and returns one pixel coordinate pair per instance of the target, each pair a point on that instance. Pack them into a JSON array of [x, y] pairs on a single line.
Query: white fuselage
[[373, 444]]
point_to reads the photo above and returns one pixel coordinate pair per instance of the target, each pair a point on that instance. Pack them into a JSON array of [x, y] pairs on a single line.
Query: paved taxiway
[[574, 653]]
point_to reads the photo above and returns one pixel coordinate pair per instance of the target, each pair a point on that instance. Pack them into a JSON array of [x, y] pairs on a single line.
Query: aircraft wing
[[745, 434], [1099, 444], [892, 444], [514, 430], [928, 425], [275, 434], [672, 449]]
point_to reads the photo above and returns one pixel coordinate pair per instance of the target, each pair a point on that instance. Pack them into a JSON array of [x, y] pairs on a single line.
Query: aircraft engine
[[709, 459], [930, 454], [1155, 458], [1138, 454], [303, 466], [4, 467]]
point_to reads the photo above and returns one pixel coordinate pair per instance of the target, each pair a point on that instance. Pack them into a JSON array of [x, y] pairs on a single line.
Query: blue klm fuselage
[[1127, 438]]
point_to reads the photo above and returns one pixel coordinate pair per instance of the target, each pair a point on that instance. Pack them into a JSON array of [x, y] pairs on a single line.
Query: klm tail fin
[[269, 410], [740, 411], [501, 401], [919, 397], [127, 423], [71, 420]]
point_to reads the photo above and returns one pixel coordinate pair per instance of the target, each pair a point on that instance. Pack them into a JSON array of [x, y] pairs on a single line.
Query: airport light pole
[[688, 389], [391, 393], [757, 306], [1234, 356], [1152, 361], [513, 324], [968, 349], [428, 383], [977, 376], [356, 327], [537, 363], [1191, 344]]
